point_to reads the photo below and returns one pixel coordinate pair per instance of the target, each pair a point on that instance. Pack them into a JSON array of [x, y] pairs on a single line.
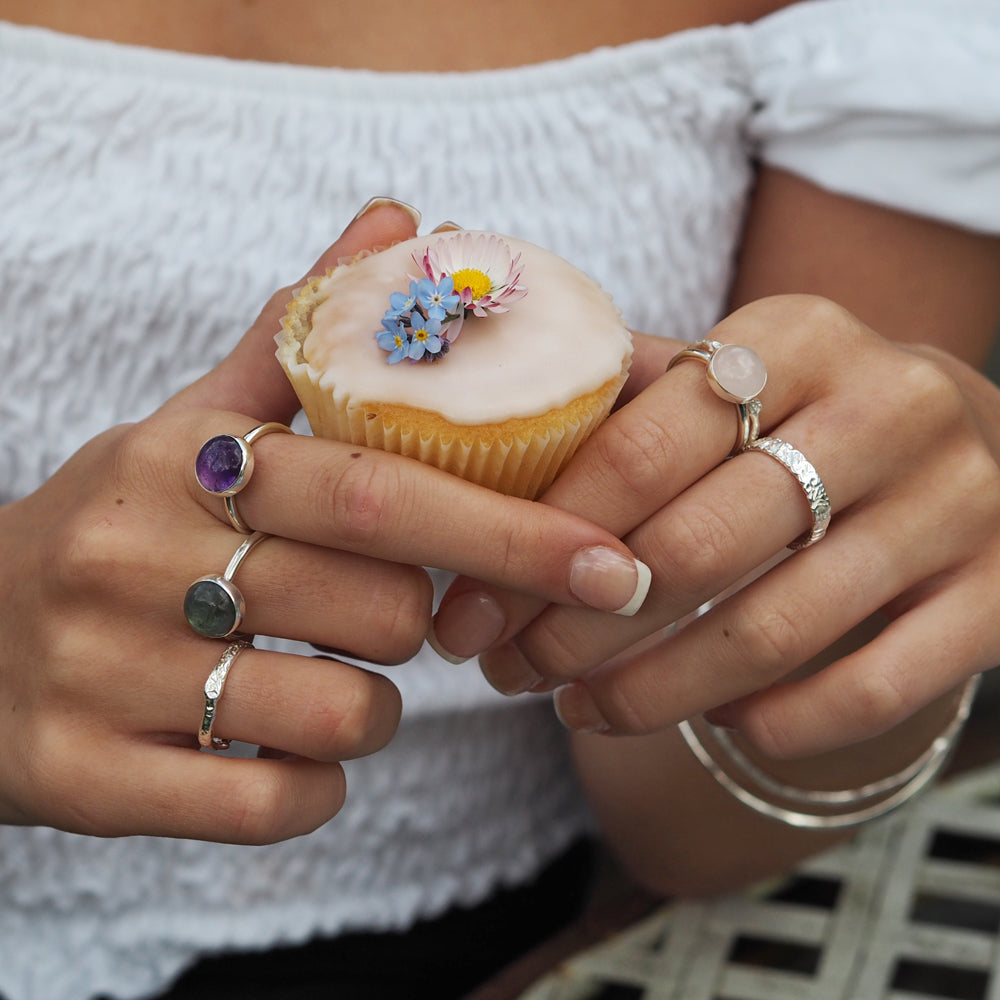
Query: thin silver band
[[213, 692], [252, 435], [800, 467], [779, 800], [204, 592], [242, 552]]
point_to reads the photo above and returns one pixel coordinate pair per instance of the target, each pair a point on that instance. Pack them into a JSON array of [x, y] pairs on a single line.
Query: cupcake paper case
[[483, 355]]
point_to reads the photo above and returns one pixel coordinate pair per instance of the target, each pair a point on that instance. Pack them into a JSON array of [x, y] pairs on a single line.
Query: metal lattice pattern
[[908, 910]]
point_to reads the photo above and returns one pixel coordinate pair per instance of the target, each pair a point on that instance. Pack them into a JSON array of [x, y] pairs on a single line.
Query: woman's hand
[[101, 678], [907, 442]]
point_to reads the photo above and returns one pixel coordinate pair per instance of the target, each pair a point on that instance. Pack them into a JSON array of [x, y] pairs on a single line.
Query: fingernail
[[466, 626], [577, 710], [507, 670], [378, 202], [609, 581], [446, 227]]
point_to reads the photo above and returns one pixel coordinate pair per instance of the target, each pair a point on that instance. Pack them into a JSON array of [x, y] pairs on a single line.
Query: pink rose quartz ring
[[736, 374], [225, 464]]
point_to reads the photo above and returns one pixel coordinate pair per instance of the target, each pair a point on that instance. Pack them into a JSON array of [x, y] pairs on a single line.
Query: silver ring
[[213, 692], [225, 464], [213, 604], [736, 374], [800, 467]]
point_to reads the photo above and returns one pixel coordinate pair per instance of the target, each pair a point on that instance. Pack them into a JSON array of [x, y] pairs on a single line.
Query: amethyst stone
[[221, 466]]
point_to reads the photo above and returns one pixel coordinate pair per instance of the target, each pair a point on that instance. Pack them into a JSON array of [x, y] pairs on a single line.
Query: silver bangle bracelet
[[779, 800]]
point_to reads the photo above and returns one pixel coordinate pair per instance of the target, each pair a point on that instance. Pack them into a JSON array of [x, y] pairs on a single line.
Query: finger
[[371, 608], [678, 429], [635, 464], [249, 380], [742, 513], [650, 357], [308, 706], [918, 658], [378, 504], [715, 535], [167, 791], [759, 635], [649, 451]]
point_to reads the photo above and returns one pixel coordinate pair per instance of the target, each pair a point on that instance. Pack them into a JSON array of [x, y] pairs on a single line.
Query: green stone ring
[[213, 604]]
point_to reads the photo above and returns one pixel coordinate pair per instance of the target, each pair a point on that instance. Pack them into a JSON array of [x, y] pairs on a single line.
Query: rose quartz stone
[[738, 372]]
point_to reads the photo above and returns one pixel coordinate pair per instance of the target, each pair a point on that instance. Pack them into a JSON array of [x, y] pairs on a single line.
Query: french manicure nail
[[609, 580], [471, 622], [446, 227], [381, 200], [577, 710]]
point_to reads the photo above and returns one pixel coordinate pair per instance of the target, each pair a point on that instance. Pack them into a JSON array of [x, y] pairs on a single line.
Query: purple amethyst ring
[[736, 374], [225, 464]]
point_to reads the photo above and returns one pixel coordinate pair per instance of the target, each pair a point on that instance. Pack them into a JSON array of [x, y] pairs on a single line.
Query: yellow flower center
[[420, 334], [474, 279]]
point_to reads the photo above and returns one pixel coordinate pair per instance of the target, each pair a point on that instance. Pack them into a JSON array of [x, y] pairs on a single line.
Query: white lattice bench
[[908, 910]]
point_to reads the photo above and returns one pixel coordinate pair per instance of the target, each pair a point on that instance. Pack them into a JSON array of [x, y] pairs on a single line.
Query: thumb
[[249, 380], [650, 357]]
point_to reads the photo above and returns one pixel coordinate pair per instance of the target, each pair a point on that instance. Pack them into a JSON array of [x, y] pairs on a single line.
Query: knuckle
[[404, 618], [835, 322], [767, 639], [554, 649], [632, 707], [357, 499], [976, 475], [763, 733], [337, 724], [927, 389], [361, 719], [803, 315], [251, 812], [81, 556], [880, 698], [144, 459], [634, 452], [561, 659], [695, 547]]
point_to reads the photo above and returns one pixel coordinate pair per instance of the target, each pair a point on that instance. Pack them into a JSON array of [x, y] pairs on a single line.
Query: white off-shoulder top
[[149, 204]]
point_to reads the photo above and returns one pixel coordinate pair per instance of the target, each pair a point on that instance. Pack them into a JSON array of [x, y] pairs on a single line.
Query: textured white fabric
[[149, 204], [899, 105]]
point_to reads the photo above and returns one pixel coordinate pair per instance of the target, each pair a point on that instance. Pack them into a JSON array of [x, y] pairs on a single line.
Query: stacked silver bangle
[[818, 809]]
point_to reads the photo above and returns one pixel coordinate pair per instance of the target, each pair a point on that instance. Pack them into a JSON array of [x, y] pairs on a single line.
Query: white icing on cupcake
[[564, 338]]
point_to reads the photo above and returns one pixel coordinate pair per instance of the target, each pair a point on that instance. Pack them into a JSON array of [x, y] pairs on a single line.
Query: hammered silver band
[[743, 391], [213, 605], [213, 692], [808, 478]]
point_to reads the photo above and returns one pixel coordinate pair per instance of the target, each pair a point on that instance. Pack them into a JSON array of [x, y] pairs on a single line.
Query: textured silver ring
[[213, 692], [225, 464], [213, 604], [800, 467], [736, 374]]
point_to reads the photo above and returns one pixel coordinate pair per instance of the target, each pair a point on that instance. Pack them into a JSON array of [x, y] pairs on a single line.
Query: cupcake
[[483, 355]]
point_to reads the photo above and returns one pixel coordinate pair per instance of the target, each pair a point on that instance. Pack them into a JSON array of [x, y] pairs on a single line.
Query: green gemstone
[[210, 610]]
